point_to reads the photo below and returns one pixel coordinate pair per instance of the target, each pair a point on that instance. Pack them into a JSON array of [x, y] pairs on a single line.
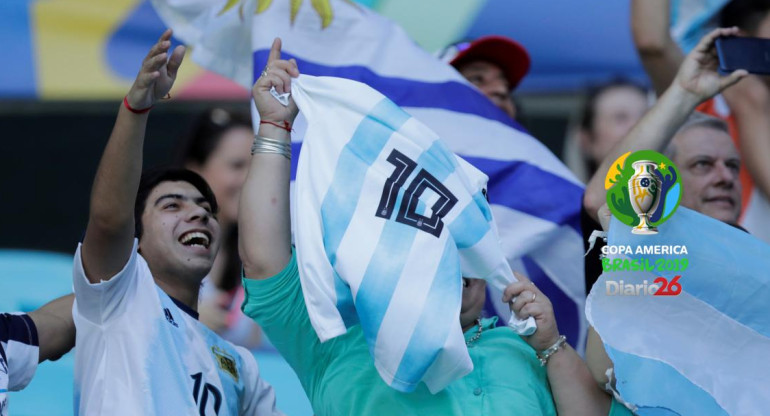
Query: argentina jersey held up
[[387, 221]]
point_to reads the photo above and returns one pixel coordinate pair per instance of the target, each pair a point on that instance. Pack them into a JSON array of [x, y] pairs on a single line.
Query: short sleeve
[[18, 335], [259, 397], [102, 302]]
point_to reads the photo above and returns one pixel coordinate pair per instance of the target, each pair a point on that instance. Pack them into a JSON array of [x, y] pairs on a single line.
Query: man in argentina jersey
[[141, 349], [25, 340]]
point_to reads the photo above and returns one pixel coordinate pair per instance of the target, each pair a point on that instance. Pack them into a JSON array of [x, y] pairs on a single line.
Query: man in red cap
[[494, 64]]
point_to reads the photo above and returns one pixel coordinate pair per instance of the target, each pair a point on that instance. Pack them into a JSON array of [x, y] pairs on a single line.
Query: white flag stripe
[[744, 355], [408, 300], [556, 259], [356, 51], [463, 137]]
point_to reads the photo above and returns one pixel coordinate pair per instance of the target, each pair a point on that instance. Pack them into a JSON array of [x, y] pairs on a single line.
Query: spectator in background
[[709, 164], [707, 159], [494, 64], [701, 149], [217, 147], [746, 108], [609, 111]]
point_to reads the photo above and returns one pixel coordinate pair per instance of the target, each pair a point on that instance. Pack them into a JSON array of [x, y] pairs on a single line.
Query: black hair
[[153, 177], [593, 94], [204, 134], [746, 14]]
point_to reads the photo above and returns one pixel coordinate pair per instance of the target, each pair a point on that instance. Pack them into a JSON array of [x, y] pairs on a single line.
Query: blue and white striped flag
[[535, 199], [691, 20], [387, 221], [705, 351]]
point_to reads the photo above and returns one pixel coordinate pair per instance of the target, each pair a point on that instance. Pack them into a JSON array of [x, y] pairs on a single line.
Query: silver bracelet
[[266, 145], [544, 355]]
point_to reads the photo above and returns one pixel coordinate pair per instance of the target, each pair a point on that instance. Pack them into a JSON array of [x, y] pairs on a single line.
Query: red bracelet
[[133, 110], [286, 126]]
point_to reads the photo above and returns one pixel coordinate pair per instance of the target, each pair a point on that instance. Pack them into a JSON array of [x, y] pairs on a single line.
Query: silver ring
[[534, 295], [264, 72]]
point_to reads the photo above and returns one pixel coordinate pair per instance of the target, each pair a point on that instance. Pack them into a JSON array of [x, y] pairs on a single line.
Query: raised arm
[[574, 390], [659, 53], [264, 223], [696, 81], [110, 231], [55, 327], [749, 101]]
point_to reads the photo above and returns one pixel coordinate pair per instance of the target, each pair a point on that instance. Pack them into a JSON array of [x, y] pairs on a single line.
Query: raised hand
[[530, 301], [157, 74], [698, 74], [278, 73]]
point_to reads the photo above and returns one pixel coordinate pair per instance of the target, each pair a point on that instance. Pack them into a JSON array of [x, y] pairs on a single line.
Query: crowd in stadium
[[184, 269]]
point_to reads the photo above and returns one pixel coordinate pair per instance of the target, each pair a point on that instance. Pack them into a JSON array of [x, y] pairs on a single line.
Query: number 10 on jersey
[[423, 181]]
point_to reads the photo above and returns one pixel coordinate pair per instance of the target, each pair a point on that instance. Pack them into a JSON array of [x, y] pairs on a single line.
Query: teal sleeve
[[277, 305], [617, 409]]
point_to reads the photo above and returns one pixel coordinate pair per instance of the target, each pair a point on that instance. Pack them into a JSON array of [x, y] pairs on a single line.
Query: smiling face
[[180, 235], [474, 295], [489, 78], [709, 165]]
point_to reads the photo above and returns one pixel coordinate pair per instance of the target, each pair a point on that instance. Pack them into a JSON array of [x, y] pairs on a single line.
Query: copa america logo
[[644, 189]]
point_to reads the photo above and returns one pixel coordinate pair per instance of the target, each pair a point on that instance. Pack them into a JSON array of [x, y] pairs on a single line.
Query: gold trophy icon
[[644, 191]]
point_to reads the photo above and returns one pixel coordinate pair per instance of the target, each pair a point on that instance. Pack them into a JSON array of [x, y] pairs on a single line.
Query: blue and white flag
[[693, 19], [387, 221], [705, 351], [534, 197]]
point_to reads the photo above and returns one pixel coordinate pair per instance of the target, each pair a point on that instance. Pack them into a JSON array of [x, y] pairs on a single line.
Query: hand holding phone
[[751, 54]]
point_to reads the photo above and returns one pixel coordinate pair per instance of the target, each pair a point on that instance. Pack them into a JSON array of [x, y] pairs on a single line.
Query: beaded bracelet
[[544, 355]]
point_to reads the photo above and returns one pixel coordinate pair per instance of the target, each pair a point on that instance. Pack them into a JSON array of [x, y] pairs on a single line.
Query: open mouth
[[195, 239]]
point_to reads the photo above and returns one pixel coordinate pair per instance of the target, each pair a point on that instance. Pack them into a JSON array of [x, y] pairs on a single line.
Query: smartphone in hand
[[751, 54]]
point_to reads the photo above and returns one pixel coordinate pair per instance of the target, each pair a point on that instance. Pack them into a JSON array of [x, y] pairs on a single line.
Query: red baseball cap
[[506, 53]]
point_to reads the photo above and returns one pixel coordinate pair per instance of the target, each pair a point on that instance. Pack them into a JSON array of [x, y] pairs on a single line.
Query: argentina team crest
[[644, 189], [225, 362]]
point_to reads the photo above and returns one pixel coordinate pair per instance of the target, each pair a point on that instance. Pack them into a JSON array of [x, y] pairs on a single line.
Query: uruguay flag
[[705, 351], [534, 197]]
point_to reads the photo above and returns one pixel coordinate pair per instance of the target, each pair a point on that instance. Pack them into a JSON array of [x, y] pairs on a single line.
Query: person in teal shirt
[[338, 375]]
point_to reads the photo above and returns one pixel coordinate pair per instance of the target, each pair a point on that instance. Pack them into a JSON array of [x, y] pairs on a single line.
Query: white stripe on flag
[[686, 333], [471, 135]]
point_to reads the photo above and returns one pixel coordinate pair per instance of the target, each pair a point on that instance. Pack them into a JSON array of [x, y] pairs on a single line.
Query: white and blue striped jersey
[[387, 221], [19, 355], [141, 352]]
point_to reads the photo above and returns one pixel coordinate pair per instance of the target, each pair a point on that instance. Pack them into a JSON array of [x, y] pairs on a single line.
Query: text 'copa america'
[[646, 249]]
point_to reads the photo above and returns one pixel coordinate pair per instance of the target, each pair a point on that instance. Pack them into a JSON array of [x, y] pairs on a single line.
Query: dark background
[[50, 152]]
